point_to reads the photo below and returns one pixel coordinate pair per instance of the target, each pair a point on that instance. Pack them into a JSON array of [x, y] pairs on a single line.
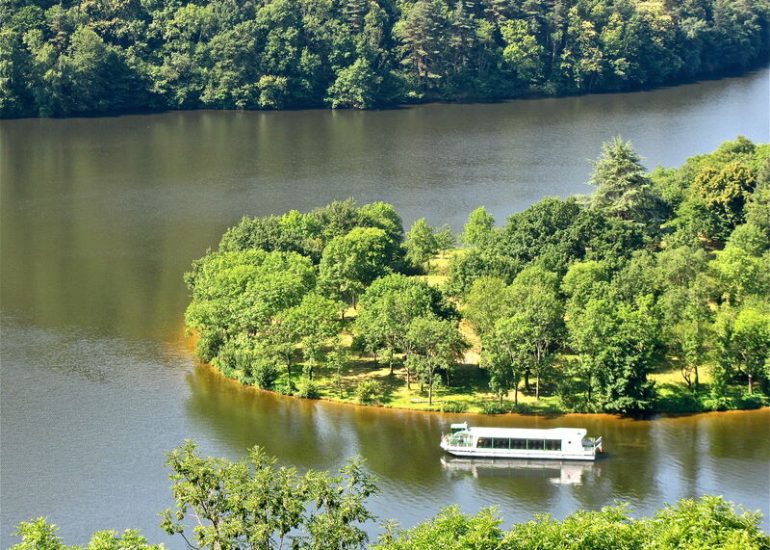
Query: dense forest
[[66, 57], [255, 505], [579, 300]]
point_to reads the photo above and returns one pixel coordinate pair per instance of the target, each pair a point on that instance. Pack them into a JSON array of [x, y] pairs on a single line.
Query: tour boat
[[553, 443]]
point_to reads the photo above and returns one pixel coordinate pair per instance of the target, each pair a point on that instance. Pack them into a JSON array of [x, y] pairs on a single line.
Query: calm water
[[100, 217]]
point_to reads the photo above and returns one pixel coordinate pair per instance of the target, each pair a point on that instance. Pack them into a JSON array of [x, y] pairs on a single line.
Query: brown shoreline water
[[100, 217]]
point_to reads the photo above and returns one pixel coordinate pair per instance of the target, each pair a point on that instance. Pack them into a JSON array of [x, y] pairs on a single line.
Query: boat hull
[[509, 453]]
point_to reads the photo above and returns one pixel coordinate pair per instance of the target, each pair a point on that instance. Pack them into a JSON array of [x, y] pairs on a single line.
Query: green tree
[[420, 243], [623, 188], [478, 229], [739, 274], [356, 87], [436, 345], [743, 342], [449, 530], [352, 261], [254, 504], [504, 357], [724, 192], [539, 314], [486, 302], [311, 324], [387, 309], [41, 535]]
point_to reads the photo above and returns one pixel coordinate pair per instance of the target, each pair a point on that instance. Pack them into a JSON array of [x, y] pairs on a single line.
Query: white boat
[[553, 443]]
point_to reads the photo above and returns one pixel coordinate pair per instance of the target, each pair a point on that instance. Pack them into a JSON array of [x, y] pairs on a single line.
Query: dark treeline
[[581, 299], [256, 505], [94, 56]]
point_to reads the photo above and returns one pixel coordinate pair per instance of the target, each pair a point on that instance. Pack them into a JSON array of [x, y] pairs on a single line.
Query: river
[[101, 216]]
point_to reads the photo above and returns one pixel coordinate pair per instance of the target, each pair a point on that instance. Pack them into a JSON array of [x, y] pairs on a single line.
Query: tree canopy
[[80, 56]]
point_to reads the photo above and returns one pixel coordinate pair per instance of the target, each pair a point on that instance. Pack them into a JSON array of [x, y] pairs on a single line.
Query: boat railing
[[592, 444]]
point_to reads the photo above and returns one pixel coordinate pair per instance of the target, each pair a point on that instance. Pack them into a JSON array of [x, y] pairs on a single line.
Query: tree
[[436, 345], [445, 239], [241, 292], [692, 337], [623, 188], [739, 274], [350, 262], [254, 504], [311, 323], [420, 244], [522, 51], [41, 535], [478, 229], [449, 530], [503, 357], [486, 302], [539, 316], [743, 342], [356, 87], [387, 309], [723, 192], [616, 343]]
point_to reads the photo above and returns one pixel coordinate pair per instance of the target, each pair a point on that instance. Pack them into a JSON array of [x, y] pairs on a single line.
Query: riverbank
[[469, 392]]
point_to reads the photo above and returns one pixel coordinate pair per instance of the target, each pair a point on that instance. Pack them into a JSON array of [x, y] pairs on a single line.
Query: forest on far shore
[[650, 294], [68, 57]]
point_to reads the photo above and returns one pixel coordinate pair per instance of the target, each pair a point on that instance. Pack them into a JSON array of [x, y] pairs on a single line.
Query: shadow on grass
[[676, 398]]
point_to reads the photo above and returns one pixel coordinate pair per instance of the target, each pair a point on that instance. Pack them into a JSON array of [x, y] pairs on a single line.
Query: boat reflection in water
[[567, 472]]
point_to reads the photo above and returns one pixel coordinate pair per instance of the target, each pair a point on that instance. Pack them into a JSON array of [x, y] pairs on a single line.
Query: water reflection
[[557, 472]]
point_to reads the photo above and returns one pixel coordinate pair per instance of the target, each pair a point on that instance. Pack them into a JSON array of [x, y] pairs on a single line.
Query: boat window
[[484, 443], [460, 439], [499, 443], [553, 445], [536, 444], [518, 443]]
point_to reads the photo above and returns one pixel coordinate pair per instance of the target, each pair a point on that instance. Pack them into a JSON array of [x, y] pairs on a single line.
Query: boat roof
[[528, 433]]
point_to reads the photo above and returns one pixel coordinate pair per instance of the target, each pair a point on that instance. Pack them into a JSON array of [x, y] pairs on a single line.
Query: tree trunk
[[430, 391], [750, 383], [537, 387]]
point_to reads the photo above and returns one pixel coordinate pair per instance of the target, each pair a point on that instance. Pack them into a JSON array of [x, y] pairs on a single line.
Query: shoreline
[[211, 370], [529, 96]]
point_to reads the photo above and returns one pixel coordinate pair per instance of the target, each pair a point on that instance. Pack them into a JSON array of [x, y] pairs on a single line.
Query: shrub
[[494, 407], [307, 389], [368, 391], [453, 406]]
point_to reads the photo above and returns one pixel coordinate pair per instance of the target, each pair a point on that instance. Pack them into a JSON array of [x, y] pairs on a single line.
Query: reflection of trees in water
[[292, 430], [738, 435], [398, 446], [647, 462]]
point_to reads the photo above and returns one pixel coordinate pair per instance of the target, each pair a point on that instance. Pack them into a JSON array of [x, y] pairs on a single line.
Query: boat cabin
[[561, 443]]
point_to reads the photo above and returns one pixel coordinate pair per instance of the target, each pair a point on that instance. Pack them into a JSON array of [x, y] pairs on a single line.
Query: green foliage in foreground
[[83, 56], [256, 505]]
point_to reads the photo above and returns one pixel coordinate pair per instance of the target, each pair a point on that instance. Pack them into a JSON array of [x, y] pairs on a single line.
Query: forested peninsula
[[650, 294], [70, 57]]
